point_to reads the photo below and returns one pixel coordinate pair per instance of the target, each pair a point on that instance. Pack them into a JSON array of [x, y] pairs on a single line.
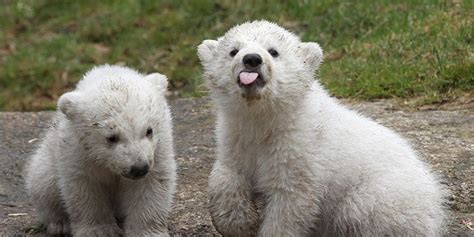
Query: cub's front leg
[[147, 203], [89, 207], [292, 203], [231, 206], [288, 216]]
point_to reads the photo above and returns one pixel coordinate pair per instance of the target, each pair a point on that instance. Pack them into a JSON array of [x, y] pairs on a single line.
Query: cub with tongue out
[[295, 162]]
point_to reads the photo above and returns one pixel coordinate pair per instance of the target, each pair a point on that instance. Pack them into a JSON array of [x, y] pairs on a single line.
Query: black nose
[[138, 171], [252, 60]]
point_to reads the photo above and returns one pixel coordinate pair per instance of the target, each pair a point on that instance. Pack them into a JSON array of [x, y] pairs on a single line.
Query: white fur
[[292, 161], [75, 178]]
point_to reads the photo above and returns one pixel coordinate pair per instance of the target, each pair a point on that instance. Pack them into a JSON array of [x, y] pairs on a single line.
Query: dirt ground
[[445, 139]]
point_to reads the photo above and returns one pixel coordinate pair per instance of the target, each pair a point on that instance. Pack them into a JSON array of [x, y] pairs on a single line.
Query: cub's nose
[[252, 60], [138, 171]]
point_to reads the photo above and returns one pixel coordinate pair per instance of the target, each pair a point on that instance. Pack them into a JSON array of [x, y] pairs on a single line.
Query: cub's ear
[[207, 50], [69, 104], [311, 53], [159, 81]]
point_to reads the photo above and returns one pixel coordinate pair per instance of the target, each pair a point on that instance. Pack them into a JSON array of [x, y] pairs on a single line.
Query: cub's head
[[259, 61], [120, 118]]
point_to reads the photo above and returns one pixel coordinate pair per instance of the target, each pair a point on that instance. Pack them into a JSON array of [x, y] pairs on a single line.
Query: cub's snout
[[251, 78], [138, 171], [252, 61]]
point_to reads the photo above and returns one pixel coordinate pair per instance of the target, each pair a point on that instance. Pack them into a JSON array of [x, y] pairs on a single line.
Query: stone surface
[[445, 139]]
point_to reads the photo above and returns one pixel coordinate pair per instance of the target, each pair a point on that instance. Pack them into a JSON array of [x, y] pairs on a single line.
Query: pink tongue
[[248, 77]]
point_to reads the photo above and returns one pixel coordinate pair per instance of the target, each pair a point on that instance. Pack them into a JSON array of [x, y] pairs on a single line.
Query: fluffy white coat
[[78, 179], [292, 161]]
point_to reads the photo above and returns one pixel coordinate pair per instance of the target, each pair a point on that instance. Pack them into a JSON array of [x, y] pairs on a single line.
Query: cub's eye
[[273, 52], [113, 139], [149, 132], [233, 52]]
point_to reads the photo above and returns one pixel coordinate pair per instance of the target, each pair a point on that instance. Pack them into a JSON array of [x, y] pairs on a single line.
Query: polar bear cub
[[292, 161], [106, 167]]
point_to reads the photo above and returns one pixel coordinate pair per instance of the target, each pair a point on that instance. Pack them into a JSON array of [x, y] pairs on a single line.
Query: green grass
[[374, 49]]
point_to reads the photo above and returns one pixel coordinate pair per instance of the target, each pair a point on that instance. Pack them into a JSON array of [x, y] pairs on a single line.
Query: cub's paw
[[111, 230], [58, 228], [240, 221]]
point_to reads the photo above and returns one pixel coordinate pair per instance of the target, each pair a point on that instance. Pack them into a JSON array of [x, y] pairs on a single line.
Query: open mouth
[[250, 79]]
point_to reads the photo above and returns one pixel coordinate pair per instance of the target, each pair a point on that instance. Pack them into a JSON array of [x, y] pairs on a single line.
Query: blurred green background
[[419, 51]]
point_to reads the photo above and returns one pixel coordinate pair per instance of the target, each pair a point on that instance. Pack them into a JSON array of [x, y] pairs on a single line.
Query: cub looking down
[[106, 167], [292, 161]]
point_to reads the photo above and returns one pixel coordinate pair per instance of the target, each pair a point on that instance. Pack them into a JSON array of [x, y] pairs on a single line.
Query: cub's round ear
[[311, 53], [69, 103], [159, 81], [207, 50]]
